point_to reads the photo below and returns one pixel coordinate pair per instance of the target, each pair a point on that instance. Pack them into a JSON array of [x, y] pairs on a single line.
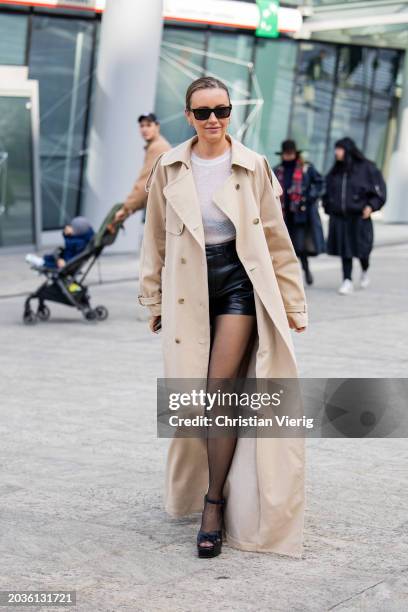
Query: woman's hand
[[293, 324], [155, 324], [367, 210]]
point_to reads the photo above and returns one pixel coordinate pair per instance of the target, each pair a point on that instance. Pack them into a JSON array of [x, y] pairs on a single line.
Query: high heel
[[215, 537]]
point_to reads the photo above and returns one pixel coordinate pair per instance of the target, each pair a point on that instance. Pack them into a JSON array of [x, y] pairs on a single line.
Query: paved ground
[[82, 470]]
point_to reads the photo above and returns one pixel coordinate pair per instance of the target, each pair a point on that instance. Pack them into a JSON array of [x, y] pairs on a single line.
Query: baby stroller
[[66, 285]]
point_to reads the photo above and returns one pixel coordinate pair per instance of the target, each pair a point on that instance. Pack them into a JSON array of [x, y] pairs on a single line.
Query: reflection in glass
[[228, 59], [273, 85], [181, 61], [275, 63], [184, 58], [356, 75], [384, 105], [16, 196], [344, 91], [60, 59], [313, 92], [313, 100]]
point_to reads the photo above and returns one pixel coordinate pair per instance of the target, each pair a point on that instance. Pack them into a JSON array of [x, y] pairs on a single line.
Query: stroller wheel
[[43, 313], [30, 318], [102, 313], [90, 315]]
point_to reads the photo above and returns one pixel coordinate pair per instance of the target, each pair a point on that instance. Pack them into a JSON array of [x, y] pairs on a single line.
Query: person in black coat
[[302, 186], [354, 189]]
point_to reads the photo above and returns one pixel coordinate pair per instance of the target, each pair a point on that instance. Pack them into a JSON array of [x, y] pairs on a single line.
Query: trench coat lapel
[[182, 195]]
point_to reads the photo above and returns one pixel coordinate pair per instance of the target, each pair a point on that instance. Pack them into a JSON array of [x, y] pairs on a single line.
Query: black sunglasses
[[221, 112]]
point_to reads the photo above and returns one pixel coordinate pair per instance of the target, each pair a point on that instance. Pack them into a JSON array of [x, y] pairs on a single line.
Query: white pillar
[[125, 87], [396, 209]]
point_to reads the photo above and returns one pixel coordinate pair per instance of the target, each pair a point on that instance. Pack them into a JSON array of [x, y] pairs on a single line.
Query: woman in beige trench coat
[[264, 486]]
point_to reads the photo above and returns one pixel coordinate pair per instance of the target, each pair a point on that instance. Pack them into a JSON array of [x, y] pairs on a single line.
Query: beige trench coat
[[265, 485]]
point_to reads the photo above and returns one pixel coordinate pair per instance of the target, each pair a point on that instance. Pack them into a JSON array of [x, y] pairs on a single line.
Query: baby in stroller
[[65, 270], [77, 234]]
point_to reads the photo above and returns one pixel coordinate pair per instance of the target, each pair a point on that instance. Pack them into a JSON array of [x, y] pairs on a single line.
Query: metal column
[[127, 70]]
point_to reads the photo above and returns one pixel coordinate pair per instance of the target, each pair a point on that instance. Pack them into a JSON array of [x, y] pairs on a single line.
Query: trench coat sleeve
[[136, 199], [154, 240], [284, 259]]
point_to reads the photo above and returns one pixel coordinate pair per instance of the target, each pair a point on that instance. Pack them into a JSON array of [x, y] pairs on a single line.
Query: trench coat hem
[[233, 542], [247, 547], [177, 513]]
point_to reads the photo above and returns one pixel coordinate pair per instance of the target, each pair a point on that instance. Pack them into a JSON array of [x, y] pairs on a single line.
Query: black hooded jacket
[[353, 184]]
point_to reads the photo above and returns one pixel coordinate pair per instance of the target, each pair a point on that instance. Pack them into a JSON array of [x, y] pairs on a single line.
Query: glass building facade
[[59, 50], [313, 91]]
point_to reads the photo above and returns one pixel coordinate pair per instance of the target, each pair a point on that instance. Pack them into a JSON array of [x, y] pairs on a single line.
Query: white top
[[209, 175]]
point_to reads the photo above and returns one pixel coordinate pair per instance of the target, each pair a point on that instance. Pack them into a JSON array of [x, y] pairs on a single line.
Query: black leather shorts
[[229, 287]]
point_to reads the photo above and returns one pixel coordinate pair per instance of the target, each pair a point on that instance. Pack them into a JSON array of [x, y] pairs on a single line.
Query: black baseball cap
[[148, 117]]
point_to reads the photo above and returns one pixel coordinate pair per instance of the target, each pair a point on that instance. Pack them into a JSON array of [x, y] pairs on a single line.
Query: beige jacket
[[137, 198], [265, 485]]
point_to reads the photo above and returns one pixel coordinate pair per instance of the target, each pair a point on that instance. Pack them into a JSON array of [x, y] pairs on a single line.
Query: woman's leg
[[306, 268], [231, 336], [364, 279], [304, 261], [365, 263], [347, 263]]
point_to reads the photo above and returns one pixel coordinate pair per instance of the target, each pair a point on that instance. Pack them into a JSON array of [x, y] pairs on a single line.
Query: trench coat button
[[183, 260], [237, 186], [177, 340], [181, 301], [255, 221]]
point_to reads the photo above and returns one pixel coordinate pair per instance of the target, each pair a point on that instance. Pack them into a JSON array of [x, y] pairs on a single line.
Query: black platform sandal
[[215, 537]]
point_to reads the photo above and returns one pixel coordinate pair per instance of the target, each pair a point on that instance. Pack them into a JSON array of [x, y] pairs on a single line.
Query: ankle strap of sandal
[[214, 501]]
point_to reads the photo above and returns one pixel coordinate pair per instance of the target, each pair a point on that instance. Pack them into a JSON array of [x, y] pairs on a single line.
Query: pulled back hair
[[204, 83]]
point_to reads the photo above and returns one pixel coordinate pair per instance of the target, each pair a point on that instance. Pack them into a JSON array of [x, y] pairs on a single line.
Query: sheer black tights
[[231, 335]]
